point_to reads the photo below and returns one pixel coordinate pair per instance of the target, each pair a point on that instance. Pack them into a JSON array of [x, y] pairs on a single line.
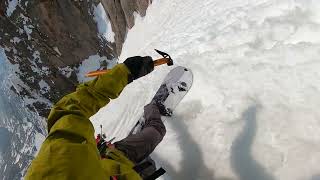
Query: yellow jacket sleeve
[[87, 100], [91, 96], [69, 151]]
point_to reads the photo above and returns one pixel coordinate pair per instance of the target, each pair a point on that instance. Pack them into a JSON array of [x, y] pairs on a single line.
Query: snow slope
[[252, 113], [103, 23], [21, 131]]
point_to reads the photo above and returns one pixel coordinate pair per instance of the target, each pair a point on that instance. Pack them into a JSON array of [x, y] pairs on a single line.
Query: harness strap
[[156, 174]]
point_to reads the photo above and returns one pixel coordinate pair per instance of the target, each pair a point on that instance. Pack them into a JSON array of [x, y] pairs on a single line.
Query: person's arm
[[91, 96], [70, 151], [71, 114], [77, 107]]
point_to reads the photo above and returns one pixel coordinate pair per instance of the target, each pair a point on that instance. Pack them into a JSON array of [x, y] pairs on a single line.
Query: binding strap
[[142, 166], [156, 174]]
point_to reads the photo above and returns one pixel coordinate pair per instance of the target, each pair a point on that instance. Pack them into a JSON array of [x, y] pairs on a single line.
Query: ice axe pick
[[166, 59]]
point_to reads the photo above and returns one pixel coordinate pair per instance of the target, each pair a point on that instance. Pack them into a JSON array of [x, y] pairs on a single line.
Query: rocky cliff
[[48, 39], [121, 14], [45, 42]]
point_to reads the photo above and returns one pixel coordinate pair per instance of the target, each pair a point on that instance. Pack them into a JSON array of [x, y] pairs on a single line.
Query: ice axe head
[[165, 56]]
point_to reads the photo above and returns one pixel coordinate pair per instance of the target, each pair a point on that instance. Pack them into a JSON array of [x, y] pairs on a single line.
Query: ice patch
[[12, 4], [44, 87], [38, 140], [66, 71], [103, 23], [56, 49], [15, 116], [27, 28], [12, 80], [15, 40], [17, 158], [36, 56], [93, 63]]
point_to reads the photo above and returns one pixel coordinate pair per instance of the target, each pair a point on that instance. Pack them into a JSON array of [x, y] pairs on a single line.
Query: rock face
[[121, 15], [45, 41], [43, 37]]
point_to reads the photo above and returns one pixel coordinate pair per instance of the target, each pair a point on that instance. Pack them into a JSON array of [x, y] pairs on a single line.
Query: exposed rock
[[121, 15], [42, 37], [45, 36], [2, 8], [18, 130], [67, 26], [129, 7], [45, 41]]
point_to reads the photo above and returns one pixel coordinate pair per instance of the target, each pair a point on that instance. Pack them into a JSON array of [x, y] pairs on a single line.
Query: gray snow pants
[[139, 146]]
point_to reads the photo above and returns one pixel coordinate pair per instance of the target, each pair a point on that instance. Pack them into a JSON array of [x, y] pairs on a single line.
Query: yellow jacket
[[70, 151]]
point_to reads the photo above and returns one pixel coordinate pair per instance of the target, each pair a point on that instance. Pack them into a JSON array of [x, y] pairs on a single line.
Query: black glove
[[139, 66]]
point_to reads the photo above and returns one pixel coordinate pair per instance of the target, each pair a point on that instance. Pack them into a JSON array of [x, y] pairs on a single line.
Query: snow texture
[[66, 71], [10, 72], [253, 111], [15, 40], [103, 23], [90, 64], [18, 125], [44, 87], [27, 27], [93, 63], [39, 139], [12, 5]]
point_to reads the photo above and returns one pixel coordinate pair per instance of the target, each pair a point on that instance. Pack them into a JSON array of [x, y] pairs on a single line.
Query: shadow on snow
[[192, 163], [242, 162]]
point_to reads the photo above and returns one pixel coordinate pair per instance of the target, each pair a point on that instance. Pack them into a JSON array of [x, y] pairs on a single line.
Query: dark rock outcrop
[[45, 36], [68, 36]]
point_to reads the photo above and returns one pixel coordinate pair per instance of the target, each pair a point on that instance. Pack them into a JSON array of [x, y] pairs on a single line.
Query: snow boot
[[159, 99]]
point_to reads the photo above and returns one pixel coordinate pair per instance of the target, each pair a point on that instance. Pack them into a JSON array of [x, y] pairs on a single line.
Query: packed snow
[[15, 40], [66, 71], [27, 27], [93, 63], [12, 5], [44, 87], [103, 23], [38, 140], [253, 111], [22, 131]]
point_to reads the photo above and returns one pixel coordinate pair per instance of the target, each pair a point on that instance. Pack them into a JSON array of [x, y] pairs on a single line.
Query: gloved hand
[[139, 66]]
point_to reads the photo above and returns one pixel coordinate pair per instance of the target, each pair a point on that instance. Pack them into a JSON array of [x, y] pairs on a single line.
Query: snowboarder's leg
[[139, 146]]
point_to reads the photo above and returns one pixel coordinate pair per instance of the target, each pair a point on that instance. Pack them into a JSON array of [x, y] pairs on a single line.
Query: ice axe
[[165, 60]]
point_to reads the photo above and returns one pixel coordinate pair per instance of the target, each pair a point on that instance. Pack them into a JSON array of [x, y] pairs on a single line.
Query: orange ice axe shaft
[[165, 60]]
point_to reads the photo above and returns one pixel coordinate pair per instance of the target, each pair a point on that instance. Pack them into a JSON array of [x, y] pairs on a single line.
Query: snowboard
[[174, 87]]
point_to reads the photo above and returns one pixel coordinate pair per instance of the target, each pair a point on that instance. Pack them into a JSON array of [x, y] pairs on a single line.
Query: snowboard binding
[[159, 99]]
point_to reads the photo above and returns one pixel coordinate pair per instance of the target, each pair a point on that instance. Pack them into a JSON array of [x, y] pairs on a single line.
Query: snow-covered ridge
[[253, 110], [18, 127], [103, 23]]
